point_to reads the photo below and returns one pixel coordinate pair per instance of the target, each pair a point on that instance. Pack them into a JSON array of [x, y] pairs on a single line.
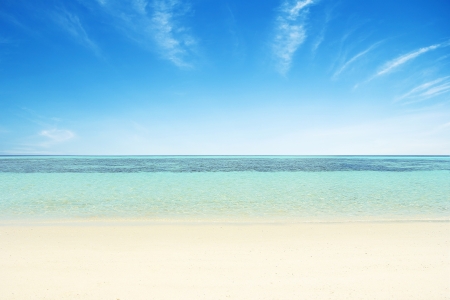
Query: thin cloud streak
[[72, 24], [353, 59], [397, 62], [290, 32], [318, 41], [437, 90], [13, 20], [320, 38], [233, 29], [421, 87], [426, 90]]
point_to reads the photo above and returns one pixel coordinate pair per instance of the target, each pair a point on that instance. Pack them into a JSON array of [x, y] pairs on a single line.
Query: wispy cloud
[[52, 137], [157, 22], [321, 36], [56, 136], [397, 62], [140, 6], [233, 29], [290, 32], [319, 39], [12, 20], [437, 90], [49, 133], [21, 21], [350, 39], [44, 142], [426, 90], [72, 24], [173, 39], [36, 118], [346, 64]]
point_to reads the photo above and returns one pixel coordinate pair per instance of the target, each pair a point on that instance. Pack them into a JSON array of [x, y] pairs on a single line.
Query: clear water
[[231, 188]]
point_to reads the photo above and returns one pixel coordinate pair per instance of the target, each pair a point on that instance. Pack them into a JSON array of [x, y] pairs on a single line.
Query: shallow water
[[225, 188]]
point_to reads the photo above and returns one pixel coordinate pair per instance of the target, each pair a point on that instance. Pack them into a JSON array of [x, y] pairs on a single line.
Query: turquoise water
[[225, 188]]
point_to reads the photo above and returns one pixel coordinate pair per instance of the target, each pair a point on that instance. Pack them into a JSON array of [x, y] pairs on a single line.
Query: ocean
[[225, 188]]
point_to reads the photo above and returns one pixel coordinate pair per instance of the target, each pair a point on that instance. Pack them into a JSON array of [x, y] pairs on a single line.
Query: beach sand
[[403, 260]]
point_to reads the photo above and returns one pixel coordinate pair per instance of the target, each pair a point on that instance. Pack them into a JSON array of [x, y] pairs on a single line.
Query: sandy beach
[[404, 260]]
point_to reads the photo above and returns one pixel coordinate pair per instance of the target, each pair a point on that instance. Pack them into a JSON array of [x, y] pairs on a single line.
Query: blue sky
[[224, 77]]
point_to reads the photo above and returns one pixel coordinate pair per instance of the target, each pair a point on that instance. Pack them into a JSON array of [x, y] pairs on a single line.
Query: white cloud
[[437, 90], [47, 142], [57, 135], [426, 90], [397, 62], [157, 22], [173, 39], [290, 32]]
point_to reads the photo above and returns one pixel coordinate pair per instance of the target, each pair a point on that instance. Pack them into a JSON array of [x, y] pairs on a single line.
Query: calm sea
[[225, 188]]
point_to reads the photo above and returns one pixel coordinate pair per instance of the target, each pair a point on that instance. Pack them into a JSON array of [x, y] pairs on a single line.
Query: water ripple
[[194, 164]]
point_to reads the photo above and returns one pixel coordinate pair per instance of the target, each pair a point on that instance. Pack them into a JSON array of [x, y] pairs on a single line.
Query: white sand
[[297, 261]]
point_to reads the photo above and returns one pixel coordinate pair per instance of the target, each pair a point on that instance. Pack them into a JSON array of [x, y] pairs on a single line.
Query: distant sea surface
[[225, 188]]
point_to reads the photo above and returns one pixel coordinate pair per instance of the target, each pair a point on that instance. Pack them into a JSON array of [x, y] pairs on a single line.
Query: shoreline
[[212, 222]]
